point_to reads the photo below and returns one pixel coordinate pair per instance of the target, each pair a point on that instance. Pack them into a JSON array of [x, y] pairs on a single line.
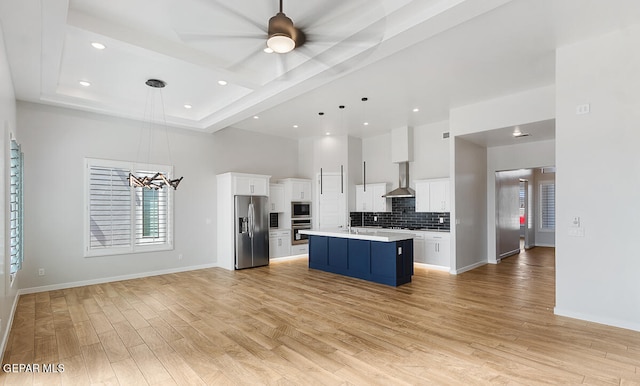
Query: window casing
[[121, 219], [548, 206]]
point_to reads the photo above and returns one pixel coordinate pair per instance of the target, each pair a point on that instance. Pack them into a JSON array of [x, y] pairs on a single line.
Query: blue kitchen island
[[379, 256]]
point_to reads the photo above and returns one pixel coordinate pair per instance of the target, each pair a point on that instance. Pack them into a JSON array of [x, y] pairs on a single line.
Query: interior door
[[331, 201]]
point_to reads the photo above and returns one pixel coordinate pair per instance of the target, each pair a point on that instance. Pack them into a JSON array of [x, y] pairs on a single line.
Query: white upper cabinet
[[301, 190], [250, 184], [371, 200], [276, 198], [439, 195], [423, 202], [433, 195], [297, 189]]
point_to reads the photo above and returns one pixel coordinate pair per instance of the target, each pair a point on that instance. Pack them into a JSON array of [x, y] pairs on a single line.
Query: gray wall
[[469, 212], [55, 143]]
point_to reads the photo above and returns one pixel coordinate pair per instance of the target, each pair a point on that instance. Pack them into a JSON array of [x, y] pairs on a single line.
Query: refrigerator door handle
[[251, 220]]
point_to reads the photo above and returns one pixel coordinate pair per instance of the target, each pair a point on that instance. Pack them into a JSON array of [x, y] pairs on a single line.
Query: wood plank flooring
[[285, 324]]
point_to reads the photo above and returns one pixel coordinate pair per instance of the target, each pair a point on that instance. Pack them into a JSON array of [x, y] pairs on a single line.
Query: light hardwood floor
[[285, 324]]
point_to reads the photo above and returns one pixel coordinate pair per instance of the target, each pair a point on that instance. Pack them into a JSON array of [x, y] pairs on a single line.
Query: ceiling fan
[[281, 36]]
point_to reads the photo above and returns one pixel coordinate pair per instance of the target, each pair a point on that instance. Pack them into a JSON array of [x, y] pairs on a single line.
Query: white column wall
[[598, 275]]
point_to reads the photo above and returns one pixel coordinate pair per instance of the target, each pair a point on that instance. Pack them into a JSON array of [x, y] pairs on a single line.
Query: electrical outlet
[[180, 256], [41, 272], [583, 109]]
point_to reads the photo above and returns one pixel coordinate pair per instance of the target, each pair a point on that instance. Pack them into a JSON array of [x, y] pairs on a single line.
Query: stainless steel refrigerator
[[252, 231]]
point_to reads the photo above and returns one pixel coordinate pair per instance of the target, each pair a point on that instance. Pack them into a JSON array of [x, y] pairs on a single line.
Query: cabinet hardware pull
[[364, 175]]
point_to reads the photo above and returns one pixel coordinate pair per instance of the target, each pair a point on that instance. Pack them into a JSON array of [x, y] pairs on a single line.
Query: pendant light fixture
[[158, 180]]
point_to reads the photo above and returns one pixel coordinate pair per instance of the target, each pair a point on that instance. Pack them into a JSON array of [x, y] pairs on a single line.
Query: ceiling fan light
[[281, 43]]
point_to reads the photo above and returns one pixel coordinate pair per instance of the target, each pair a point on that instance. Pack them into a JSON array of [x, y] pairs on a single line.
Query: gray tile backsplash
[[403, 215]]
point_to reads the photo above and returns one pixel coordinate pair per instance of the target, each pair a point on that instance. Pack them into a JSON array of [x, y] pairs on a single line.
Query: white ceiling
[[401, 54]]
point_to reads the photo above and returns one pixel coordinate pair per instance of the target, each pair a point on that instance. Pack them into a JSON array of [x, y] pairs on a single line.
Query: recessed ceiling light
[[84, 83], [98, 46], [256, 117], [222, 82], [268, 50], [366, 123], [187, 106], [416, 110], [295, 126], [327, 133]]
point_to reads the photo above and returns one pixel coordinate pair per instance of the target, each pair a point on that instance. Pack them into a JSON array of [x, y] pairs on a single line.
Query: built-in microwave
[[300, 209]]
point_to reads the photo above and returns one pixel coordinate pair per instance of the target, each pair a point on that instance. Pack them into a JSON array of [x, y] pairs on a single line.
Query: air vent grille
[[445, 135]]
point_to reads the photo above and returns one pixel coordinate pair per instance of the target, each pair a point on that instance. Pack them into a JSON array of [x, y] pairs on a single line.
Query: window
[[548, 206], [122, 219], [15, 209]]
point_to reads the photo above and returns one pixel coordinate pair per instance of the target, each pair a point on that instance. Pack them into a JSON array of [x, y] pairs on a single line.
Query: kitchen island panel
[[360, 258], [338, 255], [388, 263], [319, 249]]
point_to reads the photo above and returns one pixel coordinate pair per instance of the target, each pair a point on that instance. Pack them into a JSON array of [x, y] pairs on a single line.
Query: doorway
[[525, 210]]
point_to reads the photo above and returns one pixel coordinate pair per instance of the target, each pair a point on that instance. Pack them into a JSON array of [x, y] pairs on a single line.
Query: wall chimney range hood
[[402, 153], [403, 189]]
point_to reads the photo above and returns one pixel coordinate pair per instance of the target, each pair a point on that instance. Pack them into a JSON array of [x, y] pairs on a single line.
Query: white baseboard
[[103, 280], [286, 258], [5, 336], [597, 319], [510, 253], [432, 266], [468, 267], [543, 245]]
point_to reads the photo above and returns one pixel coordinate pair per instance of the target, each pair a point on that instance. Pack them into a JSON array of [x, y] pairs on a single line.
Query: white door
[[331, 201]]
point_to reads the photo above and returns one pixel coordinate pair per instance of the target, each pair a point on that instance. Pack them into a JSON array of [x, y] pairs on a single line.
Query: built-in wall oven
[[300, 209], [297, 225]]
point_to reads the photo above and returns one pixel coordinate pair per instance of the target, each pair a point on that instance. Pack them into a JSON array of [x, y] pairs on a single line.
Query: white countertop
[[369, 234]]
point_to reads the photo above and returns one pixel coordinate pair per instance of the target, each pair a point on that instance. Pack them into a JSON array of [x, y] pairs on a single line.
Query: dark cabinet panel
[[360, 258], [338, 254], [388, 263], [318, 252]]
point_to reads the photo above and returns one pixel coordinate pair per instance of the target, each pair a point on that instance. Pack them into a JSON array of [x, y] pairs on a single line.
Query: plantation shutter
[[152, 214], [109, 207], [16, 208], [548, 206]]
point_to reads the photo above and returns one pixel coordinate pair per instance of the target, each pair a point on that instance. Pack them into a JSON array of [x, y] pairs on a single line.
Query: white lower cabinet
[[279, 243], [437, 246], [299, 249], [418, 248]]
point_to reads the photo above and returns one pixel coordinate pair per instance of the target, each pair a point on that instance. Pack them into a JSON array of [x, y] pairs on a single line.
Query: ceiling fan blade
[[320, 12], [237, 65], [283, 67], [208, 36], [239, 15]]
